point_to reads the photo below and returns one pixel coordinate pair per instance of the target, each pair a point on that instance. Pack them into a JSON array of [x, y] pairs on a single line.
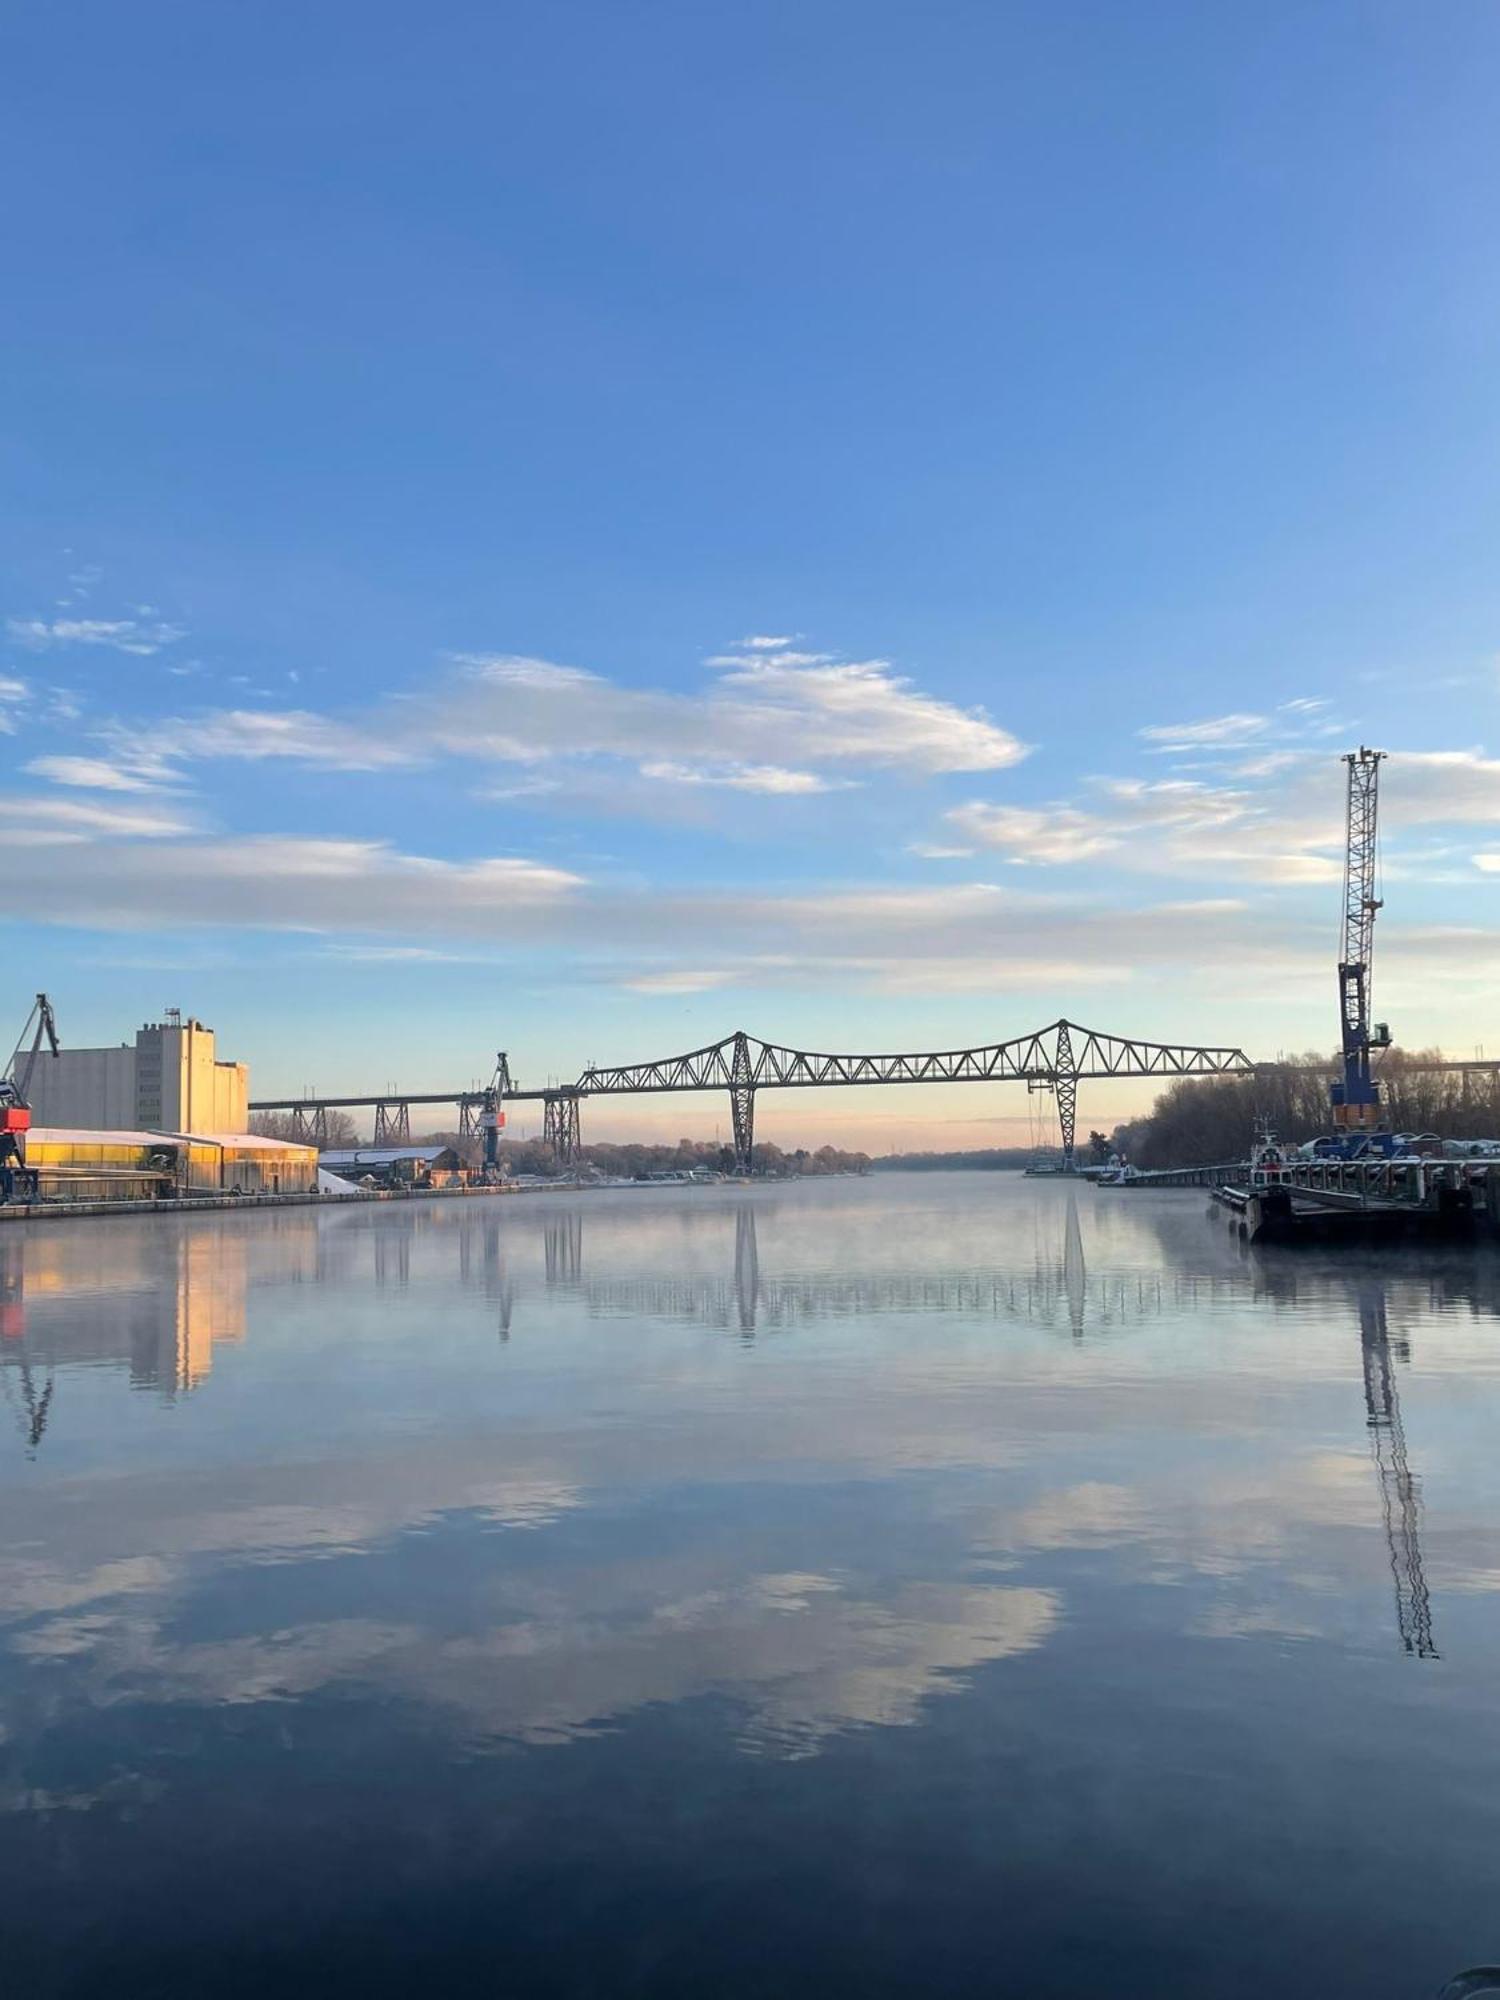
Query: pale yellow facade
[[118, 1166], [181, 1086], [170, 1080]]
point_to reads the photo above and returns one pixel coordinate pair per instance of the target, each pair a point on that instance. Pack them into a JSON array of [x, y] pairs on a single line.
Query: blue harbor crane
[[492, 1115], [1356, 1095]]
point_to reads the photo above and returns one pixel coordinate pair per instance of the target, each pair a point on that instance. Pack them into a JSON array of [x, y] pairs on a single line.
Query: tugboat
[[1269, 1166], [1262, 1205]]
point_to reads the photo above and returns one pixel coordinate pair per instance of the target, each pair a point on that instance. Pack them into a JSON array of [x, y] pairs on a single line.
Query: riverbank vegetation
[[1201, 1121], [534, 1156], [1011, 1158]]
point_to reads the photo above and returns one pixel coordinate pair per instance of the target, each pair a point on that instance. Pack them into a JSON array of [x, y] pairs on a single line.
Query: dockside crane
[[1356, 1095], [15, 1090], [492, 1114], [15, 1085]]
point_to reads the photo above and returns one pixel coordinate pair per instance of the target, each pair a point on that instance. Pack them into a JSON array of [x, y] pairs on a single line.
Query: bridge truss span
[[1054, 1058], [1062, 1047]]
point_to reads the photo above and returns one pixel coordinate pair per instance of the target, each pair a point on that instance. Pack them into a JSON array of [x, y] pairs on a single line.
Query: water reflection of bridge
[[158, 1299], [1056, 1292]]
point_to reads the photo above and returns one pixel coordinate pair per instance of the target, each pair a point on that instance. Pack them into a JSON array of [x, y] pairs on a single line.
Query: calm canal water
[[943, 1585]]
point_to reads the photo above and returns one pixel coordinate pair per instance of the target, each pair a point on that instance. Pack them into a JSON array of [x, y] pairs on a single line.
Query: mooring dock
[[1176, 1177], [1396, 1198]]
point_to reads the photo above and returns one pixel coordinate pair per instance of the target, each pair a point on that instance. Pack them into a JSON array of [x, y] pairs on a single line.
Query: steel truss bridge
[[1055, 1059]]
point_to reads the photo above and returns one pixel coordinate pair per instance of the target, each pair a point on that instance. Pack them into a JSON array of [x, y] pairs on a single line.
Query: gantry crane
[[1356, 1095]]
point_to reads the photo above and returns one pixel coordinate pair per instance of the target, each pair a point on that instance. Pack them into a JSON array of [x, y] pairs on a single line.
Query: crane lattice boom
[[1356, 1097]]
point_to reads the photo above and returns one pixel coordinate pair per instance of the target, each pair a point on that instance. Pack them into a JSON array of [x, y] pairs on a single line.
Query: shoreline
[[202, 1204]]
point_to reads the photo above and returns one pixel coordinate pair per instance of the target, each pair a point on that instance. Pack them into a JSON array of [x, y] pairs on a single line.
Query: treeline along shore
[[1199, 1121], [979, 1158], [534, 1156]]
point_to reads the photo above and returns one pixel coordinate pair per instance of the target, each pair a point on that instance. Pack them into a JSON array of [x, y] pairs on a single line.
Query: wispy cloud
[[63, 705], [865, 711], [733, 734], [1041, 834], [255, 735], [1121, 814], [100, 774], [395, 907], [272, 882], [1440, 787], [1217, 732], [41, 814], [402, 954], [125, 635], [772, 779], [1282, 820], [684, 981], [525, 710], [1304, 720]]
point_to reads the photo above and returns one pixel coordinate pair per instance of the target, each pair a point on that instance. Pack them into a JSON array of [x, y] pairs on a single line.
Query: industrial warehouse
[[157, 1119]]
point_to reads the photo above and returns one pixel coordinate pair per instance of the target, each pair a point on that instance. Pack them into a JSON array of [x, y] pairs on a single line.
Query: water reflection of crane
[[495, 1278], [31, 1418], [1400, 1498]]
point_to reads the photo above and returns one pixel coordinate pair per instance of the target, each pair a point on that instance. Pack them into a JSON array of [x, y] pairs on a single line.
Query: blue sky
[[585, 527]]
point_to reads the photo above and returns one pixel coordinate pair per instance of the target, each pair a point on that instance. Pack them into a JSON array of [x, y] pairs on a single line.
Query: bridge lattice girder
[[1063, 1049], [1030, 1058]]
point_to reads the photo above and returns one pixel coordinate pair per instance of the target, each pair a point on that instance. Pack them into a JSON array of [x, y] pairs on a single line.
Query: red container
[[14, 1118]]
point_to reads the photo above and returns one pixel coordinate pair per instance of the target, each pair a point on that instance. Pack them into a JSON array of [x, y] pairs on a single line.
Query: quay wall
[[68, 1211]]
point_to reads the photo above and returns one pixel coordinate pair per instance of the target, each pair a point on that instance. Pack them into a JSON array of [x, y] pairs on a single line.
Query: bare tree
[[283, 1125], [1205, 1120]]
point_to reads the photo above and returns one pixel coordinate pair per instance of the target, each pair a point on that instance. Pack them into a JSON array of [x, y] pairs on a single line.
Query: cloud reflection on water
[[912, 1405]]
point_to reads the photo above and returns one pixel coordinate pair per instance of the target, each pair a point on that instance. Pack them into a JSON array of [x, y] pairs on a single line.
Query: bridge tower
[[1065, 1082], [310, 1130], [560, 1126], [742, 1102], [392, 1123]]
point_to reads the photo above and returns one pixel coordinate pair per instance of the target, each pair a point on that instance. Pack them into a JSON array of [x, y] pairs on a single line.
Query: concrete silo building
[[169, 1080]]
